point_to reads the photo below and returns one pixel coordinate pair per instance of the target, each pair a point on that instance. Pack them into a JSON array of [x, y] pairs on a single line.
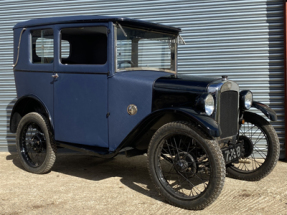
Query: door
[[80, 85]]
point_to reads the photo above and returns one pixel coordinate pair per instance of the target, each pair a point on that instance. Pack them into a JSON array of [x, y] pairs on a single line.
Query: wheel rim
[[260, 148], [33, 145], [182, 166]]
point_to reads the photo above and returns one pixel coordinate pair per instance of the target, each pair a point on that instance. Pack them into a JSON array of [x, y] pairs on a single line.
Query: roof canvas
[[92, 19]]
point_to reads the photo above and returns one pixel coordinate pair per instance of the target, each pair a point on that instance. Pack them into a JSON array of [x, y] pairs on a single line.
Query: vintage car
[[106, 85]]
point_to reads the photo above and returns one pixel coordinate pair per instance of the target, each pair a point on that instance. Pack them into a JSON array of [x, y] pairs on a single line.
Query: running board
[[88, 150]]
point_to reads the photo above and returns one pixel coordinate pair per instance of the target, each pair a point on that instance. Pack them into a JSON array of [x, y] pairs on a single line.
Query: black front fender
[[271, 114], [143, 132], [209, 125]]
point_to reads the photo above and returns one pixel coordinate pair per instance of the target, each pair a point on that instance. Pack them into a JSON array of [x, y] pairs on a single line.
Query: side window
[[84, 45], [65, 49], [42, 46], [124, 53]]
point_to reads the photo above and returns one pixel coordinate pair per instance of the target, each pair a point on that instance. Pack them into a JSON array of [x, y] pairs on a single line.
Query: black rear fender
[[25, 105]]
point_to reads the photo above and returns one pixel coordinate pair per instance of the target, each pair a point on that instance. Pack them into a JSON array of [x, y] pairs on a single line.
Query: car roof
[[92, 19]]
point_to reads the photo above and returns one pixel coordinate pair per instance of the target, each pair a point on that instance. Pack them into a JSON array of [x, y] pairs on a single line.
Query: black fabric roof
[[91, 19]]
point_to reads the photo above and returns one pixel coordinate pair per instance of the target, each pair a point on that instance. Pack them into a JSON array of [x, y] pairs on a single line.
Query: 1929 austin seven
[[104, 85]]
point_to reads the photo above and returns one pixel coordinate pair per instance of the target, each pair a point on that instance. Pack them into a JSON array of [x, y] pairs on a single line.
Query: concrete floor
[[81, 184]]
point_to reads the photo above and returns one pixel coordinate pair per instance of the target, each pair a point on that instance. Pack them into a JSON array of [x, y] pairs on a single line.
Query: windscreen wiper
[[182, 39], [119, 25]]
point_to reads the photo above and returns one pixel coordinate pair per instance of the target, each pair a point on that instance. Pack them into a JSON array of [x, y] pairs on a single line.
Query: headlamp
[[246, 98]]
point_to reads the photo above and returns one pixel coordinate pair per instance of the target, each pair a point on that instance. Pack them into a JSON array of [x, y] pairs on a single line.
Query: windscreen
[[145, 50]]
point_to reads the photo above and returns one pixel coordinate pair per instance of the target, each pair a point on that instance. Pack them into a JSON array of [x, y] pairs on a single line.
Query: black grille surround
[[228, 115]]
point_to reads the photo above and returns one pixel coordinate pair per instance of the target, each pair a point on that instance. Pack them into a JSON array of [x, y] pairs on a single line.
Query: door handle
[[55, 76]]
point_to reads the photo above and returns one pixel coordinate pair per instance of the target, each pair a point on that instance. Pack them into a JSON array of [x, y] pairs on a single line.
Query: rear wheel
[[35, 143], [261, 149], [185, 166]]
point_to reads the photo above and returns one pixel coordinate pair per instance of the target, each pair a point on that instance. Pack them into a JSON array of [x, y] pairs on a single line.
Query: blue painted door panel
[[125, 88], [80, 108]]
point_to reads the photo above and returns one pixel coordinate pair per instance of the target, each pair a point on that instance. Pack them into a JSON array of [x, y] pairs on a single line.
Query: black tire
[[35, 143], [194, 161], [263, 154]]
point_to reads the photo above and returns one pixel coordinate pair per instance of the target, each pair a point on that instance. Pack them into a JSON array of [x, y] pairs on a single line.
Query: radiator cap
[[224, 77]]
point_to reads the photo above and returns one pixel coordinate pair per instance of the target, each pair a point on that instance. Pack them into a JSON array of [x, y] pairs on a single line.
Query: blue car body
[[87, 104]]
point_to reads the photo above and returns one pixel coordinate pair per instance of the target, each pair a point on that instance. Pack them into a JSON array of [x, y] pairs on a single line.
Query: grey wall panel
[[242, 39]]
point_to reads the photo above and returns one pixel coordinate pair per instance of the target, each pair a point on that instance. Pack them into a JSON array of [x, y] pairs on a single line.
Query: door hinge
[[108, 114]]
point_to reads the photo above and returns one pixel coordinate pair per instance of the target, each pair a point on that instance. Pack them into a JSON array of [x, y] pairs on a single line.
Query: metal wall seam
[[242, 39]]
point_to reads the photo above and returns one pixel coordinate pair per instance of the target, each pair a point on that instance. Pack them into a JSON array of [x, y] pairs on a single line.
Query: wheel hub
[[37, 142], [185, 163], [247, 145]]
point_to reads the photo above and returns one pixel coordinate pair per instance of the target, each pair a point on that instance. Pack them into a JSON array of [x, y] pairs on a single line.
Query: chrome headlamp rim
[[209, 104], [206, 103], [246, 99]]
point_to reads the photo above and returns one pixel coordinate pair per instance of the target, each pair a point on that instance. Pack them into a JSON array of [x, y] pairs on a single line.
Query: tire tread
[[218, 159], [267, 169], [51, 154]]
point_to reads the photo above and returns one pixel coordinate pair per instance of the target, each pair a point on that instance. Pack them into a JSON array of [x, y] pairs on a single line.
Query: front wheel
[[35, 143], [261, 149], [186, 167]]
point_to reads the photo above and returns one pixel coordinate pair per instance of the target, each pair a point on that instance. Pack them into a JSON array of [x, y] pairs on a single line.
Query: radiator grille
[[228, 113]]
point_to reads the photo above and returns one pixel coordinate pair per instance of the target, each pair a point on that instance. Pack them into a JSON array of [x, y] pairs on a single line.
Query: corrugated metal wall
[[242, 39]]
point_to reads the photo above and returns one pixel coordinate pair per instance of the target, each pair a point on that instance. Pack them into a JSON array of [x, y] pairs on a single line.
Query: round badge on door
[[132, 109]]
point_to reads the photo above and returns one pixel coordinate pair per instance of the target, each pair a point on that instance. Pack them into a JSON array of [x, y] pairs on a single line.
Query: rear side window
[[42, 46], [65, 49], [84, 45]]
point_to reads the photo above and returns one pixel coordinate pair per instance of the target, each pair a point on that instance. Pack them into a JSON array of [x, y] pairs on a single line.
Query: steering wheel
[[125, 61]]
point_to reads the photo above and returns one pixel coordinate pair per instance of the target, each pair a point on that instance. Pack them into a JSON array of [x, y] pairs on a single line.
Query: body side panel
[[39, 84], [125, 88], [140, 132]]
